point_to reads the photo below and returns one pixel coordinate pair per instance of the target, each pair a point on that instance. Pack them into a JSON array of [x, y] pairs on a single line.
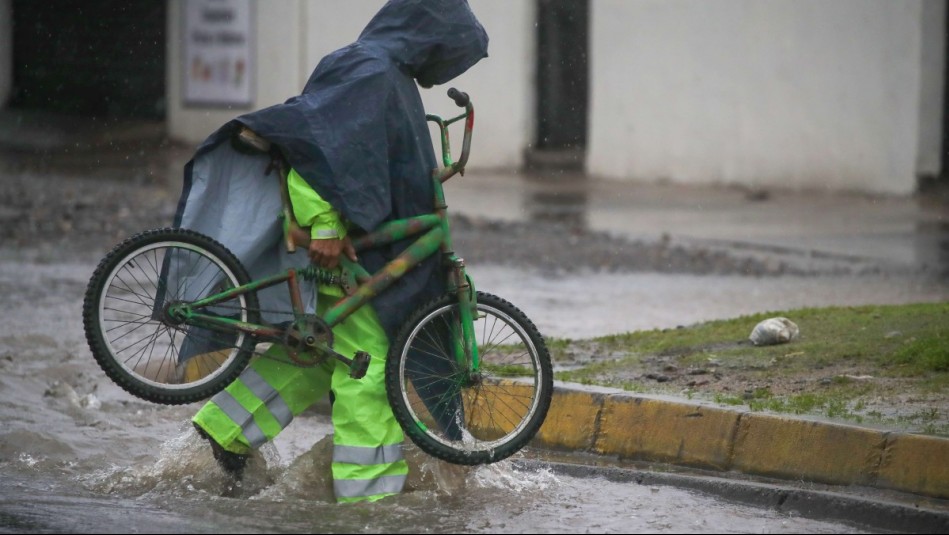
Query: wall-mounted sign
[[218, 52]]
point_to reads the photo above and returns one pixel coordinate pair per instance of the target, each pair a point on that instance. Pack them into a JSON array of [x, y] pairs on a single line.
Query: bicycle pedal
[[360, 365]]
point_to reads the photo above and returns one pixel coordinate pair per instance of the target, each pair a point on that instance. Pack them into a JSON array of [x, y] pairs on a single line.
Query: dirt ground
[[59, 206], [848, 391]]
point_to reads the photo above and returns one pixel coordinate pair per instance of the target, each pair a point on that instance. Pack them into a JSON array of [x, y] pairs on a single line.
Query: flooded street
[[79, 455], [634, 166], [491, 500]]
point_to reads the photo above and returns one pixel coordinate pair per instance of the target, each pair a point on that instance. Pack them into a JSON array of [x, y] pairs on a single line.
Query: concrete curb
[[655, 429]]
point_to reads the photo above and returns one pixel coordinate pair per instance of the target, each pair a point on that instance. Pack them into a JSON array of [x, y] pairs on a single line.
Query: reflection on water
[[565, 208], [932, 246], [560, 199]]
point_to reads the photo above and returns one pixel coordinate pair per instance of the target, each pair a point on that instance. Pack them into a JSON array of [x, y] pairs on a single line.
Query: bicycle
[[173, 317]]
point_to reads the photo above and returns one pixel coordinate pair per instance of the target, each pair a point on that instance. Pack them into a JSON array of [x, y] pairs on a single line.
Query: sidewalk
[[806, 228]]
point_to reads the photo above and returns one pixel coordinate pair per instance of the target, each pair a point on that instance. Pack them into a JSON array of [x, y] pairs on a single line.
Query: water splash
[[185, 465], [307, 477], [28, 460], [505, 475], [428, 474]]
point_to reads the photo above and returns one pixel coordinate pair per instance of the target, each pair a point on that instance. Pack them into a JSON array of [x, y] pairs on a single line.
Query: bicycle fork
[[465, 345]]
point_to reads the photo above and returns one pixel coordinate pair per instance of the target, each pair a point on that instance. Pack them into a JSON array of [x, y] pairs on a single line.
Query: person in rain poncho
[[361, 154]]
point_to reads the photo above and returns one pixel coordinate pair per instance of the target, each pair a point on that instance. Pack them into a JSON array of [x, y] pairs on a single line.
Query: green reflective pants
[[367, 441]]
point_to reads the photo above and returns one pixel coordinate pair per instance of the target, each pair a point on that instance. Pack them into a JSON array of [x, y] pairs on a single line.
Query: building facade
[[842, 95]]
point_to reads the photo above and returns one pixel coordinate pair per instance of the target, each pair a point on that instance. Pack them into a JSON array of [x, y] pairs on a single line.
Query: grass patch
[[508, 370], [898, 340], [929, 354], [844, 357]]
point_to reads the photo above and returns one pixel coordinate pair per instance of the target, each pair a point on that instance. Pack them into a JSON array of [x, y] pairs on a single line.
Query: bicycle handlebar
[[460, 98]]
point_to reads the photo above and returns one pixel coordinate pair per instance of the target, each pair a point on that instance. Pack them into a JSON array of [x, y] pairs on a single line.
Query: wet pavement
[[78, 455], [823, 231], [807, 228]]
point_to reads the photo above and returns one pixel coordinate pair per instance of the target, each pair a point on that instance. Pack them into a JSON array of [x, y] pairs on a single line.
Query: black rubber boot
[[231, 463]]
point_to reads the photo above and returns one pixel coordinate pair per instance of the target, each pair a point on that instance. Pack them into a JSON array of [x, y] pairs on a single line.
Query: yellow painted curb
[[571, 421], [648, 429], [789, 448], [917, 464]]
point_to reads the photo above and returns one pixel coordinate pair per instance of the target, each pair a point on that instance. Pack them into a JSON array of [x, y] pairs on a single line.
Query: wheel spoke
[[463, 416], [149, 353]]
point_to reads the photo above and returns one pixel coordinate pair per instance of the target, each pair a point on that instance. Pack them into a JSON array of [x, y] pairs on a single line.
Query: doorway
[[562, 74], [90, 57]]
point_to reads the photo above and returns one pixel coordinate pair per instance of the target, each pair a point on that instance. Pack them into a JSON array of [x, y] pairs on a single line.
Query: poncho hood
[[433, 40], [357, 134]]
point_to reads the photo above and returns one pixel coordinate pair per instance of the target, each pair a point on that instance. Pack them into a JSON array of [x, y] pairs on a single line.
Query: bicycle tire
[[461, 421], [140, 347]]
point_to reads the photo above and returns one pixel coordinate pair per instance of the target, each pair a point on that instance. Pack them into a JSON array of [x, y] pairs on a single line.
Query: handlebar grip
[[460, 98]]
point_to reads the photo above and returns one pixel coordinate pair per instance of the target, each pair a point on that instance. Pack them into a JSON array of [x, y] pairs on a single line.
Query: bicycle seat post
[[289, 222]]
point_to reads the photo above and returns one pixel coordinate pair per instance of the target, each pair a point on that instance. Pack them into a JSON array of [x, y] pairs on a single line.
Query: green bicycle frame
[[432, 235]]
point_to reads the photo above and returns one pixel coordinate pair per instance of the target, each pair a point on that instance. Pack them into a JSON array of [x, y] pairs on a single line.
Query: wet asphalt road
[[78, 455]]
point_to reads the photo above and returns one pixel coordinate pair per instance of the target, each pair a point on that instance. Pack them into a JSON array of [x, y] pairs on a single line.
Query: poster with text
[[218, 52]]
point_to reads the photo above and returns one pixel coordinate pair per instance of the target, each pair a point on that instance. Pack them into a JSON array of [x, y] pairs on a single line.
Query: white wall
[[802, 93], [329, 26], [293, 35], [501, 87], [6, 50], [279, 43]]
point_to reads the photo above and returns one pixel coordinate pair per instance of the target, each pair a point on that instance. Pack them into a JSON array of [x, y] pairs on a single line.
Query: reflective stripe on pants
[[367, 444], [367, 457], [262, 401]]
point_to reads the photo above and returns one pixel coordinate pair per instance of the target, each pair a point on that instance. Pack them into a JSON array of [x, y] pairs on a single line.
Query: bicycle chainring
[[302, 337]]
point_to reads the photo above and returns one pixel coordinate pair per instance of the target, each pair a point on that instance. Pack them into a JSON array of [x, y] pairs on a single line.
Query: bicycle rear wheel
[[466, 418], [141, 347]]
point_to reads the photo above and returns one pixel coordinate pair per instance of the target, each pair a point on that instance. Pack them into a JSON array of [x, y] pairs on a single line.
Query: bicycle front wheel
[[463, 415], [145, 349]]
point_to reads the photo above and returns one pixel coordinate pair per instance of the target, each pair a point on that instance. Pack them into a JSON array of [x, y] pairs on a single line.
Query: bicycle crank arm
[[358, 365]]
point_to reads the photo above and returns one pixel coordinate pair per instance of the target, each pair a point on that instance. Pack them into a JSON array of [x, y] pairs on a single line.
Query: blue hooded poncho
[[357, 134]]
